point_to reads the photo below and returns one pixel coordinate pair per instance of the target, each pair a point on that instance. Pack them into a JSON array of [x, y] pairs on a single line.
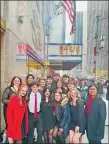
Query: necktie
[[35, 106]]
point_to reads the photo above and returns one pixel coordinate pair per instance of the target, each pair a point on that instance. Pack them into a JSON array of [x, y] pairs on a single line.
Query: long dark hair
[[57, 83], [12, 84], [50, 98], [60, 95], [90, 87], [28, 77]]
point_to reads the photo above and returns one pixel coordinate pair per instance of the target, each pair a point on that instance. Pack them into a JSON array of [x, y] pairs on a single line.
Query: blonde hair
[[77, 92], [19, 90]]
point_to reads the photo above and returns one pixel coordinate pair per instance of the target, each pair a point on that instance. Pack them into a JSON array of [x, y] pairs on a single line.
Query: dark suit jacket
[[96, 120]]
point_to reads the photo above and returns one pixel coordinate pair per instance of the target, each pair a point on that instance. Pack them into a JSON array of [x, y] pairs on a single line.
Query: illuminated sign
[[65, 50]]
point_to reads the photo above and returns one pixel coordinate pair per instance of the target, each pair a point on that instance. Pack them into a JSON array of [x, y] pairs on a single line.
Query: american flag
[[70, 7]]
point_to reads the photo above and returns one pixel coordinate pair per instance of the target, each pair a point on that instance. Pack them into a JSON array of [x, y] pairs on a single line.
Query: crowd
[[57, 106]]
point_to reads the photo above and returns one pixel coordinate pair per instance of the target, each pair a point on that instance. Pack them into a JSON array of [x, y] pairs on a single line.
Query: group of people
[[57, 106]]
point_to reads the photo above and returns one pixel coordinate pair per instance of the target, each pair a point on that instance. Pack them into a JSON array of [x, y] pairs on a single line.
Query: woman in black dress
[[48, 115], [78, 119]]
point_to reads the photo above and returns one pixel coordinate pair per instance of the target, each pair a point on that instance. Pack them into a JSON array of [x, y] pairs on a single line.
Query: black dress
[[47, 116], [74, 116], [78, 117]]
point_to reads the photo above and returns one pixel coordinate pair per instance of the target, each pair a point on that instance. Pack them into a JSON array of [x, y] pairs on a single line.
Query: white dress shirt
[[31, 103]]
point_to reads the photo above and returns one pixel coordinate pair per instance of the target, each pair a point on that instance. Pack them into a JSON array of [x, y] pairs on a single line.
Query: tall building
[[97, 42]]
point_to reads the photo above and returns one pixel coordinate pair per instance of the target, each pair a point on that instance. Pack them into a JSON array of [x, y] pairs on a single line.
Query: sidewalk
[[104, 141]]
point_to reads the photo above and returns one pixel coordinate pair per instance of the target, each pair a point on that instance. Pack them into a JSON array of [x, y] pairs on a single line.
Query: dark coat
[[64, 119], [96, 120], [80, 116]]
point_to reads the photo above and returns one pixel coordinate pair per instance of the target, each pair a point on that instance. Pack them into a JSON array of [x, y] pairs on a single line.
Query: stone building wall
[[30, 32]]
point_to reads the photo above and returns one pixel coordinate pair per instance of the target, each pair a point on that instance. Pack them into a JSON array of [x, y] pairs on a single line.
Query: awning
[[33, 54], [64, 65]]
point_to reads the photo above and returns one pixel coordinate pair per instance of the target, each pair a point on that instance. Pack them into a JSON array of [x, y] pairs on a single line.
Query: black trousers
[[35, 123], [94, 142]]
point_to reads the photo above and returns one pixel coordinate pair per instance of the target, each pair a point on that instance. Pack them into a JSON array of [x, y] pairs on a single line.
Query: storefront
[[34, 64], [29, 61]]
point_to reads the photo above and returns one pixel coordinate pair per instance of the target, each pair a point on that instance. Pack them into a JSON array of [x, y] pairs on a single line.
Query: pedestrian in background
[[29, 81], [100, 85], [49, 83], [107, 94], [42, 84], [83, 91], [56, 77], [96, 116], [17, 116], [65, 79]]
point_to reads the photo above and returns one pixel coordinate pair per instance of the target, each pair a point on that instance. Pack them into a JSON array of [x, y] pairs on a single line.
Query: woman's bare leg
[[50, 136], [71, 134], [55, 132], [10, 140], [80, 140], [76, 138]]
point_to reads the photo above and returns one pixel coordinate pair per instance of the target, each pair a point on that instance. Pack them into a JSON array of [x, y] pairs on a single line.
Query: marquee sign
[[69, 50], [65, 52]]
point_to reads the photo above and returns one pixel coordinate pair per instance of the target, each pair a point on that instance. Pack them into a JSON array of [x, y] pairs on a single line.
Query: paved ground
[[85, 140], [104, 141]]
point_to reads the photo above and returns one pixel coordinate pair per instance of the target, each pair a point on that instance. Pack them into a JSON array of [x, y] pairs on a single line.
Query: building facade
[[97, 42], [79, 37], [22, 50], [2, 55]]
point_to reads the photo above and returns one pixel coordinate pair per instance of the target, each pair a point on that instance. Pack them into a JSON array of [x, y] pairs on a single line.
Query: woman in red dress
[[17, 116]]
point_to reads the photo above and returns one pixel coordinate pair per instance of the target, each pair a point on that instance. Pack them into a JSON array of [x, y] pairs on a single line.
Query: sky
[[81, 5]]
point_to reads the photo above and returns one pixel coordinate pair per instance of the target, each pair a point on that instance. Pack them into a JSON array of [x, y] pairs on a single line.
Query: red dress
[[15, 115]]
